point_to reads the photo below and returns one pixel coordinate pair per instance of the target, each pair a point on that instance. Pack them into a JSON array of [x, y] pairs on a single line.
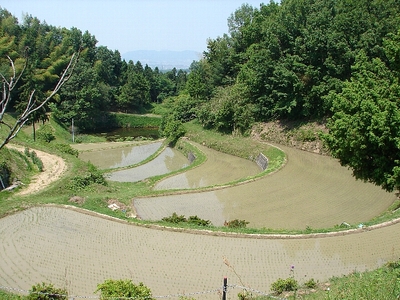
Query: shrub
[[287, 285], [311, 284], [195, 220], [306, 135], [45, 133], [92, 176], [35, 159], [236, 224], [174, 218], [65, 148], [123, 288], [45, 136], [46, 291]]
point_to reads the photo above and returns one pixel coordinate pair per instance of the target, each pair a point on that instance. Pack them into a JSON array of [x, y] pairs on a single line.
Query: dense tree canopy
[[365, 127], [102, 81], [290, 56]]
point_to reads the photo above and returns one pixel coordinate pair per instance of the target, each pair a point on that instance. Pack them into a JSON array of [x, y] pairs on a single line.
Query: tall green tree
[[364, 131], [199, 83], [135, 92], [81, 99]]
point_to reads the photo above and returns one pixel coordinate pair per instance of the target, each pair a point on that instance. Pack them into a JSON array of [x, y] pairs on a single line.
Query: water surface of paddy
[[120, 156], [310, 191], [219, 168], [168, 161]]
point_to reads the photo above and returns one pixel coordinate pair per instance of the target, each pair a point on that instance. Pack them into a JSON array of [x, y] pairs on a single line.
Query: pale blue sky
[[127, 25]]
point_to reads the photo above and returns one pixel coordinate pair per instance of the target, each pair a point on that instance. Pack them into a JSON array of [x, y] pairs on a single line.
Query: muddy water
[[78, 251], [311, 190], [169, 160], [219, 168], [120, 156]]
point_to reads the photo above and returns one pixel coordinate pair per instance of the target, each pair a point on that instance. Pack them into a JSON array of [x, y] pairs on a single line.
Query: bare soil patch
[[303, 136]]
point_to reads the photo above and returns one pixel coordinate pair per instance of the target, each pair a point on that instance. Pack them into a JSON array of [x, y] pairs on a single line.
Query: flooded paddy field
[[168, 161], [116, 155], [219, 168], [309, 191], [77, 251]]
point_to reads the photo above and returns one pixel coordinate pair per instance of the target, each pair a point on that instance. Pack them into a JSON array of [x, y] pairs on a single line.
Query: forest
[[333, 60], [101, 81]]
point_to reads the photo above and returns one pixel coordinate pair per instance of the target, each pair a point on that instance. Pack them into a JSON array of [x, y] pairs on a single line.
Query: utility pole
[[73, 131]]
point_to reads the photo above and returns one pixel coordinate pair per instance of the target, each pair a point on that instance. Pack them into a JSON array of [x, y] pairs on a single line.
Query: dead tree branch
[[32, 104]]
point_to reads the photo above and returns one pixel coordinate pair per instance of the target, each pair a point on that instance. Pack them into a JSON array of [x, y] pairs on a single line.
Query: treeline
[[278, 61], [281, 61], [101, 80]]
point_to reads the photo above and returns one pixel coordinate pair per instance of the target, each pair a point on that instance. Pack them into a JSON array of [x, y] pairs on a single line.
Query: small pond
[[129, 133]]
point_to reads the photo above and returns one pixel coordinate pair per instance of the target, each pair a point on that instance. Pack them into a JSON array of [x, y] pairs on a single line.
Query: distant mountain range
[[164, 60]]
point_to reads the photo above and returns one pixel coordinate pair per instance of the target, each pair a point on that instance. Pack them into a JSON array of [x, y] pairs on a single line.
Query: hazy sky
[[127, 25]]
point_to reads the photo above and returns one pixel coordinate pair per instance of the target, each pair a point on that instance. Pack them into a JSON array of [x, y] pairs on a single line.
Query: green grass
[[9, 296], [129, 120], [382, 283]]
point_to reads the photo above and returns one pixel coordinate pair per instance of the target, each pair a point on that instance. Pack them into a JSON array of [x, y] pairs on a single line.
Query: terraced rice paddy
[[310, 191], [105, 157], [219, 168], [168, 161], [78, 250]]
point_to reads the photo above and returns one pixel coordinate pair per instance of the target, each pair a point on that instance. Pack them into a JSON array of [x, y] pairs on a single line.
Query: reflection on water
[[131, 132], [219, 168], [120, 157], [169, 160]]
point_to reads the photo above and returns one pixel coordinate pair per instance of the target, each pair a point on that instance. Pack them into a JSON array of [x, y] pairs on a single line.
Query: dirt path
[[53, 168]]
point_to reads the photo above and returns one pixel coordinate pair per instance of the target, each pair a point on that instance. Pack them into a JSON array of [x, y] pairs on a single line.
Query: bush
[[92, 176], [172, 129], [46, 291], [174, 218], [65, 148], [287, 285], [195, 220], [311, 284], [236, 224], [45, 134], [123, 288], [35, 159]]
